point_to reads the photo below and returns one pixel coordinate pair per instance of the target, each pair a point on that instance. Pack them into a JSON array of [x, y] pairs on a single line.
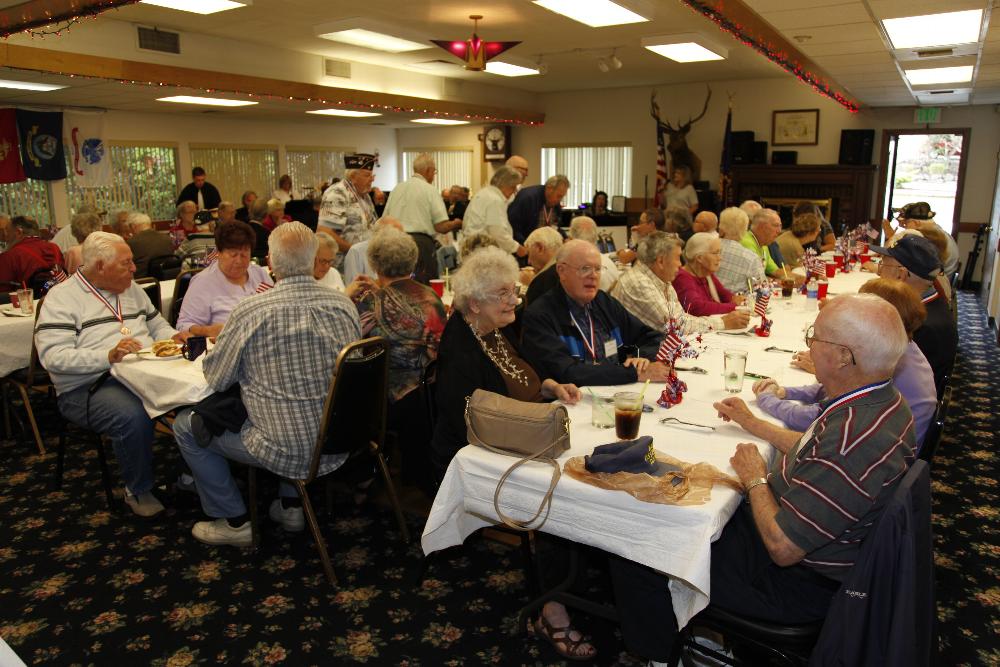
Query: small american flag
[[263, 287], [760, 308], [58, 275], [212, 255], [813, 263], [672, 342]]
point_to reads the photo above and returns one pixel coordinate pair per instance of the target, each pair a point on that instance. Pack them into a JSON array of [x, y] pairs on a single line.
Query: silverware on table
[[674, 421], [778, 349], [693, 369], [735, 333]]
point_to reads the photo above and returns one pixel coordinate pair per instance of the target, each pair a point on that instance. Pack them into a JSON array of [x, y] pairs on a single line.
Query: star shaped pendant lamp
[[474, 51]]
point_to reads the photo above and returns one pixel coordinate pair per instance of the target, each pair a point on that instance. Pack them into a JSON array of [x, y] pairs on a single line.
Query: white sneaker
[[145, 505], [220, 532], [292, 519]]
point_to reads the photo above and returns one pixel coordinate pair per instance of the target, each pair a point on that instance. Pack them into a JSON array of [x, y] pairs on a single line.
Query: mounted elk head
[[676, 138]]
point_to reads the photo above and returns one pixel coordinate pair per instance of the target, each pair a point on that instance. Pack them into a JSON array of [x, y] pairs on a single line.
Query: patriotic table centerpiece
[[675, 346], [762, 297]]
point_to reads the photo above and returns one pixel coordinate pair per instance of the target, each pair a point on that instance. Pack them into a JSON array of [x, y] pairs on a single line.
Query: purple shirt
[[211, 297], [913, 378]]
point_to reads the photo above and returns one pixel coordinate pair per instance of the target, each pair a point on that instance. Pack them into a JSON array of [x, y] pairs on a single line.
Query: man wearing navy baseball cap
[[915, 261]]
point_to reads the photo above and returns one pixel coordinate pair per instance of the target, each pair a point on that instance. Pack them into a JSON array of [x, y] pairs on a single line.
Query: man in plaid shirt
[[281, 347], [738, 263]]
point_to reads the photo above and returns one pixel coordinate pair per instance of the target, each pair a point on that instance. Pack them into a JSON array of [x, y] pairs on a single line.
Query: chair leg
[[31, 418], [102, 460], [317, 535], [252, 500], [391, 490]]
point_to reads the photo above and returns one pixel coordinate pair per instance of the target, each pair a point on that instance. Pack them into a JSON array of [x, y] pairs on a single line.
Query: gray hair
[[328, 242], [733, 223], [227, 205], [853, 317], [677, 219], [139, 221], [292, 249], [422, 163], [556, 181], [654, 245], [583, 227], [750, 207], [260, 210], [473, 242], [547, 237], [392, 253], [763, 216], [699, 244], [83, 225], [100, 247], [184, 204], [482, 272], [506, 177]]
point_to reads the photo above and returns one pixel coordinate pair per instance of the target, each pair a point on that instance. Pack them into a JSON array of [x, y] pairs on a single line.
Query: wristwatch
[[755, 482]]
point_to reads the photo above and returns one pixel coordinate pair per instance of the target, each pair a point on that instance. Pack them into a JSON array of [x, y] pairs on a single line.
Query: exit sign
[[925, 115]]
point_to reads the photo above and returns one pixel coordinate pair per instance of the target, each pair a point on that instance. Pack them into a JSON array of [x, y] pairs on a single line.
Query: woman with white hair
[[326, 256], [698, 288], [275, 215]]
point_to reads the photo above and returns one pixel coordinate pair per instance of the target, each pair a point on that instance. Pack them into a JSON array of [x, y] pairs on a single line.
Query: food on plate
[[166, 348]]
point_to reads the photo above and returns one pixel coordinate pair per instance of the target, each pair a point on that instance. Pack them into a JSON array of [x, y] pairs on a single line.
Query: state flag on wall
[[11, 170], [41, 139], [89, 156]]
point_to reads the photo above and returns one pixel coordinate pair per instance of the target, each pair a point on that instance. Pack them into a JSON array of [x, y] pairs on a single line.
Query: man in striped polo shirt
[[782, 555]]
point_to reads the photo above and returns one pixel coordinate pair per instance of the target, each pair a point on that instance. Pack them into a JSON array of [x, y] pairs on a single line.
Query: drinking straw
[[642, 394]]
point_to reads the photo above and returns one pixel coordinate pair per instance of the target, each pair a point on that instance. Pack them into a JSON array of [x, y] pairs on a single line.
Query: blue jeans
[[117, 413], [220, 497]]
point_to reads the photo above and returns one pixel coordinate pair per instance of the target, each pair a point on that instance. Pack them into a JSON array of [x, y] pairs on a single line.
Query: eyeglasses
[[884, 267], [324, 262], [506, 295], [810, 339], [585, 271]]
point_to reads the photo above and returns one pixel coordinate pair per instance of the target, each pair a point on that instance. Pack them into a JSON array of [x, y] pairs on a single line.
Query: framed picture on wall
[[795, 127]]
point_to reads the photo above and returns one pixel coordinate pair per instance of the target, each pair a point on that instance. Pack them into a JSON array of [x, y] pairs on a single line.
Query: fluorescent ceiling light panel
[[196, 6], [935, 75], [208, 101], [595, 13], [29, 85], [685, 48], [370, 39], [507, 69], [934, 29], [439, 121], [347, 113]]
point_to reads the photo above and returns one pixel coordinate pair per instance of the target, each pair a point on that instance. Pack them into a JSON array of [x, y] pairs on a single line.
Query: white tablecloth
[[163, 385], [166, 296], [671, 539], [15, 343]]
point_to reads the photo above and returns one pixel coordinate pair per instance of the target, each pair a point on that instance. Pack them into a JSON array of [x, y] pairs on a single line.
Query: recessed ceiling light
[[29, 85], [935, 75], [370, 39], [507, 69], [209, 101], [595, 13], [197, 6], [347, 113], [685, 48], [934, 29], [439, 121]]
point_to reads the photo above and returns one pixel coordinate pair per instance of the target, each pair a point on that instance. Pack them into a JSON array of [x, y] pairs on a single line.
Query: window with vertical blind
[[309, 167], [454, 167], [589, 169], [236, 169], [144, 178], [29, 198]]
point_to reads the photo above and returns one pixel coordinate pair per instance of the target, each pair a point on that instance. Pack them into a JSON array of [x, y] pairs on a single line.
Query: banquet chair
[[151, 286], [353, 423], [180, 289], [33, 378], [164, 267], [936, 428]]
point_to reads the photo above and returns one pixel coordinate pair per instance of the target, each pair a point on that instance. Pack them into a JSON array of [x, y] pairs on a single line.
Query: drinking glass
[[24, 298], [602, 411], [628, 412], [735, 365]]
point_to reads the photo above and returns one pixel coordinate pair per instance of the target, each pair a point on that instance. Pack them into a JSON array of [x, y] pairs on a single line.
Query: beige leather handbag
[[529, 431]]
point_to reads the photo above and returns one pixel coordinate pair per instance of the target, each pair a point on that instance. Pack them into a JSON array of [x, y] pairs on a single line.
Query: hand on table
[[768, 385], [735, 410], [567, 393], [739, 299], [804, 361], [125, 346], [748, 463], [870, 267], [182, 336], [736, 319]]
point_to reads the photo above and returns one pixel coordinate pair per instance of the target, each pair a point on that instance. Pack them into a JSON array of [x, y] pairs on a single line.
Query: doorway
[[919, 165]]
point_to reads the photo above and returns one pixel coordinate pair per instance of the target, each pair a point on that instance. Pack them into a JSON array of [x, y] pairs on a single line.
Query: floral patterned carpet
[[80, 585]]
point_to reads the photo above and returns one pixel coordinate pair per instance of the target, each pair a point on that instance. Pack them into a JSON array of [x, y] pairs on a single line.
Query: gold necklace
[[500, 357]]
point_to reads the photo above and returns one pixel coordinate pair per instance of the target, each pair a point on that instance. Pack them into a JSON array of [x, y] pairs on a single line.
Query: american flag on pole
[[726, 166], [661, 170], [760, 307], [263, 287]]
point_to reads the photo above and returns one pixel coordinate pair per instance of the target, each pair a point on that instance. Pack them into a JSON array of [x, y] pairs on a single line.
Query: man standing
[[537, 206], [417, 204], [281, 347], [346, 212], [488, 211], [915, 216], [518, 164], [28, 255], [200, 191], [88, 323], [575, 333], [738, 264]]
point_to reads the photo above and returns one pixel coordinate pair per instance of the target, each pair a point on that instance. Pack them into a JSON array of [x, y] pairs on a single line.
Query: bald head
[[385, 221], [578, 264], [520, 164], [765, 225], [849, 321], [706, 221], [750, 207], [584, 228]]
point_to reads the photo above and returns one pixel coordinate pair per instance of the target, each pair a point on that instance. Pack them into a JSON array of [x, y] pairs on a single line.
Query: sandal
[[560, 640]]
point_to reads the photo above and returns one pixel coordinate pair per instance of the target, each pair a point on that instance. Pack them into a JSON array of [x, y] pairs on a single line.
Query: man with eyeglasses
[[784, 554], [578, 334], [914, 260]]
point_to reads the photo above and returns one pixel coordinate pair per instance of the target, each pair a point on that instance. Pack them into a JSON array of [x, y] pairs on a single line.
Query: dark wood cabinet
[[849, 187]]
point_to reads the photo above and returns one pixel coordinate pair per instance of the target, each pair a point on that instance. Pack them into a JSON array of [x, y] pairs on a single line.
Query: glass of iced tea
[[628, 412]]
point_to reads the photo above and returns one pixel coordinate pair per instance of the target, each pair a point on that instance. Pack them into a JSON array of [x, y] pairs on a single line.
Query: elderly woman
[[799, 407], [231, 278], [82, 225], [323, 271], [804, 231], [185, 223], [487, 211], [698, 288], [275, 215], [285, 193], [245, 212], [476, 353], [680, 192]]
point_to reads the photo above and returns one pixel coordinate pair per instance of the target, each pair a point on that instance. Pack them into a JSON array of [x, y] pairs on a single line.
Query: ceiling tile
[[803, 19], [813, 49]]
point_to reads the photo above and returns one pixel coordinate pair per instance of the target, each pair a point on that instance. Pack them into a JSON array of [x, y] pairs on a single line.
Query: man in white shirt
[[487, 212], [418, 205]]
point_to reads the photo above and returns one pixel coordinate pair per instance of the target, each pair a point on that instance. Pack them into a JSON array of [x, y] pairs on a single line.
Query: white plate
[[147, 353], [10, 311]]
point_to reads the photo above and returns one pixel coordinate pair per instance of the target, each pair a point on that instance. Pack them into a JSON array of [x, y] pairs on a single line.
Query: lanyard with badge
[[116, 310], [610, 346]]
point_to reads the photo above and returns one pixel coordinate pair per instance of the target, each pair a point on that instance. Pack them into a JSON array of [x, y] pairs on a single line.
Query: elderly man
[[646, 290], [537, 206], [146, 243], [225, 213], [765, 225], [283, 393], [782, 556], [542, 245], [706, 221], [6, 231], [914, 260], [29, 254], [488, 212], [915, 216], [738, 264], [245, 212], [346, 212], [584, 227], [519, 164], [200, 191], [677, 219], [356, 262], [417, 205], [576, 333], [88, 323], [651, 220]]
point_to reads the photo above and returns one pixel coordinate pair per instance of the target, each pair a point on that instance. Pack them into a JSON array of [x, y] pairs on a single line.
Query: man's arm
[[55, 339], [222, 364], [735, 410]]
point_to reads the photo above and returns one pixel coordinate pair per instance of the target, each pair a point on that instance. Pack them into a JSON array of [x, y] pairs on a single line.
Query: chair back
[[33, 362], [38, 280], [164, 267], [936, 428], [151, 286], [180, 289], [354, 414]]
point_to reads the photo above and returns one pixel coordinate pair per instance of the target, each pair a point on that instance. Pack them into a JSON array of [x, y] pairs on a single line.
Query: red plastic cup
[[831, 269], [838, 261], [865, 257], [15, 303], [864, 248], [437, 285], [821, 289]]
